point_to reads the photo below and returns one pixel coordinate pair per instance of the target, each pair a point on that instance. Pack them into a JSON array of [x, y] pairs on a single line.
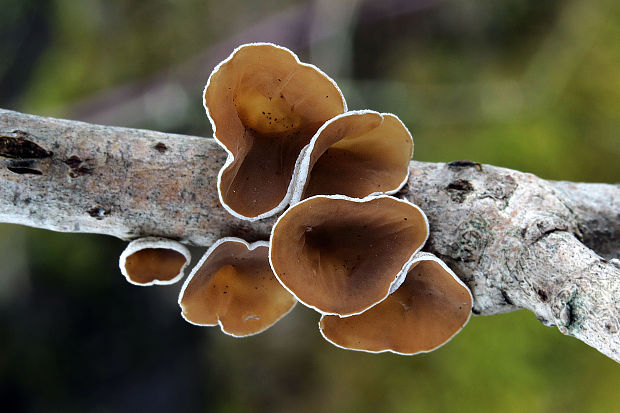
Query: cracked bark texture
[[516, 240]]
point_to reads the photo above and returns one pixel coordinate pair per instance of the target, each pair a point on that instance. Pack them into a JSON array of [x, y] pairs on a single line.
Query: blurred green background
[[525, 84]]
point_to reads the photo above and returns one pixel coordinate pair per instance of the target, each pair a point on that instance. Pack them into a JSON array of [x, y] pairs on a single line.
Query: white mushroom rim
[[421, 256], [398, 278], [303, 170], [250, 247], [230, 157], [153, 243]]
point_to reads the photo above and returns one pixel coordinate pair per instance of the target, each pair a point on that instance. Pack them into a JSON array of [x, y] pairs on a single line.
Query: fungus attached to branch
[[356, 154], [264, 106], [233, 286], [425, 312], [151, 260], [342, 255]]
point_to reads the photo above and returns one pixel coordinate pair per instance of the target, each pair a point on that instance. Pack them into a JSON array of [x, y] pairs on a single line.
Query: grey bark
[[516, 240]]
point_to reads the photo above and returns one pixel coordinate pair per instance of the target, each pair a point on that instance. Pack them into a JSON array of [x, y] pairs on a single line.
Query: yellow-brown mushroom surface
[[342, 255], [152, 260], [233, 286], [150, 264], [265, 106], [357, 154], [425, 312]]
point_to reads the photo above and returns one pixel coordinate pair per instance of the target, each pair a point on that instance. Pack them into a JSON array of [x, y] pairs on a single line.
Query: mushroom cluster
[[344, 247]]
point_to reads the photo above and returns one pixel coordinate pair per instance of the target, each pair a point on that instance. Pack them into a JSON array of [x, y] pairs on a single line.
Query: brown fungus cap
[[342, 255], [425, 312], [233, 286], [264, 106], [151, 260], [356, 154]]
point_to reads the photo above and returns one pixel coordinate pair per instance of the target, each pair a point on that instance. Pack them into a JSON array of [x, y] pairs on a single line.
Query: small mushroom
[[264, 106], [430, 307], [152, 260], [358, 153], [233, 286], [342, 255]]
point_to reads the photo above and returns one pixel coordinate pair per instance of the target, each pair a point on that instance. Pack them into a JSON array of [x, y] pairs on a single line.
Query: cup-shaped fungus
[[425, 312], [152, 260], [264, 106], [358, 153], [233, 286], [342, 255]]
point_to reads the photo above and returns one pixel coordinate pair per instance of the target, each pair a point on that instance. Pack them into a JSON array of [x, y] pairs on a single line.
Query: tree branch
[[511, 236]]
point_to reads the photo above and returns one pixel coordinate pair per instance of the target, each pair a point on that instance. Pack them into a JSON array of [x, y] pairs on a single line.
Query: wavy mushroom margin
[[420, 257], [250, 247], [230, 158], [153, 243], [398, 278]]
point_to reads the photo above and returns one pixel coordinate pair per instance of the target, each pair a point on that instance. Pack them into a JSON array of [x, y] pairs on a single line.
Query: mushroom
[[430, 307], [233, 286], [342, 255], [358, 153], [264, 106], [152, 260]]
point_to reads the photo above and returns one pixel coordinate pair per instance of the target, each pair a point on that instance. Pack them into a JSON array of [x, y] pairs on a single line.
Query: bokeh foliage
[[523, 84]]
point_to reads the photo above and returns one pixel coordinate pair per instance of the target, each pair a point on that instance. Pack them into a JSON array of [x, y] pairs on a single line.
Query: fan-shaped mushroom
[[425, 312], [342, 255], [233, 286], [356, 154], [265, 106], [152, 260]]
